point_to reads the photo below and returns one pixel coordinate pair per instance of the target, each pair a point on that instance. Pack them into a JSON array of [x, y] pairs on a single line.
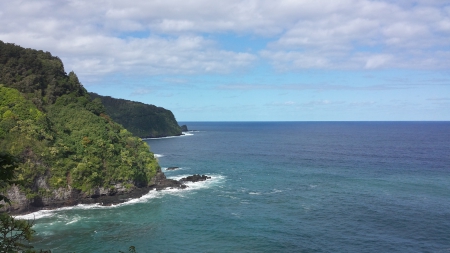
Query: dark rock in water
[[184, 128], [170, 184], [172, 168], [161, 182], [194, 178]]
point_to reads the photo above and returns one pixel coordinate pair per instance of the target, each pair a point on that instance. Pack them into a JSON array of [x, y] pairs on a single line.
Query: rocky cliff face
[[62, 197]]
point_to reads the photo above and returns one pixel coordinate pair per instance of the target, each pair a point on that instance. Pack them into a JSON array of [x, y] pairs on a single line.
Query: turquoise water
[[280, 187]]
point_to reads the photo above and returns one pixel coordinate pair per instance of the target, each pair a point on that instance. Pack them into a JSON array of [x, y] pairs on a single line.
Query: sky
[[251, 60]]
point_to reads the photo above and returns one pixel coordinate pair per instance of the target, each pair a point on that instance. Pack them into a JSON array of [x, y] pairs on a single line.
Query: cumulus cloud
[[364, 34], [172, 37]]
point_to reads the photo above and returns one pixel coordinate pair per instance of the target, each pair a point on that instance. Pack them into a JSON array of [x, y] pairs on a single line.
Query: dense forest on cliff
[[62, 137], [140, 119]]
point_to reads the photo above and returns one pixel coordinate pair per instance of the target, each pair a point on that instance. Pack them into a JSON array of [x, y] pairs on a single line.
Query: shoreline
[[103, 200], [77, 197], [187, 133]]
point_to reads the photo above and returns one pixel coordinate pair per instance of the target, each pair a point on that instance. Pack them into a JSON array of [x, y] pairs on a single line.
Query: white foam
[[178, 177], [36, 215], [215, 179], [275, 191], [46, 233], [183, 134], [73, 221], [164, 169], [158, 138], [157, 155], [208, 183], [49, 213]]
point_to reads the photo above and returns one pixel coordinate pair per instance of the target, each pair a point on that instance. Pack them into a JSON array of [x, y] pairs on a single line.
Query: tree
[[7, 165], [14, 234]]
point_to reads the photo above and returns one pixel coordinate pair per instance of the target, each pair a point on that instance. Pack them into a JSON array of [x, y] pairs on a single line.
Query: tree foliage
[[14, 234], [49, 121], [8, 164], [140, 119]]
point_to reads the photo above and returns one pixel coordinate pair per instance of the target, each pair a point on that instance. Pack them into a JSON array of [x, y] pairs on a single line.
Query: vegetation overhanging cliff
[[64, 140], [143, 120]]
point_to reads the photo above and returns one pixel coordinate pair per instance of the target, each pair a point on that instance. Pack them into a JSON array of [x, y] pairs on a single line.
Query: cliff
[[143, 120], [69, 149]]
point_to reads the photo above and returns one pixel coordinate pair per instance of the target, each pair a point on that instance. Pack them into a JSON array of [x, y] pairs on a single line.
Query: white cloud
[[377, 61], [98, 37], [364, 34]]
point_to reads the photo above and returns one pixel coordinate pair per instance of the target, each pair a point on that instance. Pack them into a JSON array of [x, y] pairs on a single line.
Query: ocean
[[279, 187]]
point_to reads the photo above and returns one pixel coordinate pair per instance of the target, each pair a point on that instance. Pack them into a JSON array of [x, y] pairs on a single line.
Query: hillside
[[145, 121], [66, 144]]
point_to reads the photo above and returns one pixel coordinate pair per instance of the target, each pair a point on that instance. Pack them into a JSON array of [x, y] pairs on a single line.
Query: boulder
[[195, 178], [161, 182]]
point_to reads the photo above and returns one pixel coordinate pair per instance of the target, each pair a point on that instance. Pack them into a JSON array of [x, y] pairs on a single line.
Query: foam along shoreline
[[153, 193], [183, 134]]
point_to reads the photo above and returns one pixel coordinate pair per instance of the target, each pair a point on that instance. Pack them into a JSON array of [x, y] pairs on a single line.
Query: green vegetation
[[14, 234], [142, 120], [59, 134]]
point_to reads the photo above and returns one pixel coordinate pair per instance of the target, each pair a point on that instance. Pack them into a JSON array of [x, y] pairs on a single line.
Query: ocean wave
[[157, 155], [164, 169], [153, 194], [73, 220], [275, 191], [209, 183], [49, 213]]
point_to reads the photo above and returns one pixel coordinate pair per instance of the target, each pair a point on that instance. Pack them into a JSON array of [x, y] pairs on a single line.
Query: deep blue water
[[280, 187]]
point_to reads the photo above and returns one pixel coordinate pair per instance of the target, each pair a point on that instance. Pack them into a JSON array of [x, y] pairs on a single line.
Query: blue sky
[[251, 60]]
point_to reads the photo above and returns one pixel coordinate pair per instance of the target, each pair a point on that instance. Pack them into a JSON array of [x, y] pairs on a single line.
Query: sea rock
[[184, 128], [161, 182], [169, 184], [195, 178], [172, 168]]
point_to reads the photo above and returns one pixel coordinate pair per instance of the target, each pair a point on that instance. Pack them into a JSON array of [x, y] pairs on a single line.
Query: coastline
[[77, 197], [73, 197], [104, 200], [187, 133]]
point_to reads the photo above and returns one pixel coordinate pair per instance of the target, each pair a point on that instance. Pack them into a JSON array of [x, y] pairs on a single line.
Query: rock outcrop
[[161, 182], [116, 194], [194, 178]]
